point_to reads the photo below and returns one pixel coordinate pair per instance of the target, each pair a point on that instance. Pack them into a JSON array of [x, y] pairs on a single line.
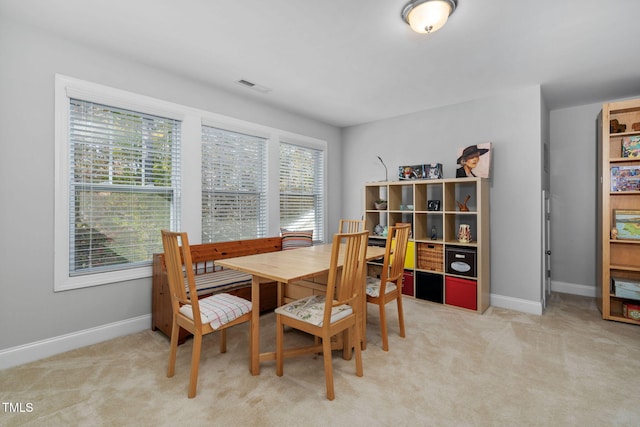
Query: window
[[117, 168], [234, 185], [123, 186], [128, 165], [302, 189]]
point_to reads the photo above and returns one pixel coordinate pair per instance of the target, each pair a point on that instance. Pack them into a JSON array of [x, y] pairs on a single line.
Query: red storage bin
[[461, 292], [407, 288]]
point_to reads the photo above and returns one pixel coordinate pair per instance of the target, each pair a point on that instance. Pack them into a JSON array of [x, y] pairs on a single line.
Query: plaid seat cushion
[[219, 309]]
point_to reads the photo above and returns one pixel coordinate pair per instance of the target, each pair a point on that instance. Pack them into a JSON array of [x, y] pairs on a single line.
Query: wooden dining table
[[285, 267]]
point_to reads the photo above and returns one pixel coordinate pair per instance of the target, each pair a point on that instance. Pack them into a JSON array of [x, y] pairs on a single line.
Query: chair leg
[[347, 341], [195, 364], [358, 351], [383, 326], [328, 366], [400, 316], [173, 349], [223, 341], [250, 342], [279, 346]]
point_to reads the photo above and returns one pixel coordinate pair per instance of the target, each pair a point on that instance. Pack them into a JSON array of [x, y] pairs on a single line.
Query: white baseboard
[[26, 353], [517, 304], [535, 307], [573, 288]]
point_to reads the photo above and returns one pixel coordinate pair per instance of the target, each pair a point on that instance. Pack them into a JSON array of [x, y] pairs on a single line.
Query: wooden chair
[[389, 286], [351, 226], [200, 317], [324, 316]]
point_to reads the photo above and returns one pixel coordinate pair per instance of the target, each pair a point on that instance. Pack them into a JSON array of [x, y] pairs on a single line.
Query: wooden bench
[[212, 279]]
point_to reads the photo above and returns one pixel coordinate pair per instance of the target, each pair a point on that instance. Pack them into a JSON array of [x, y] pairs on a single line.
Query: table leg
[[254, 343], [363, 314]]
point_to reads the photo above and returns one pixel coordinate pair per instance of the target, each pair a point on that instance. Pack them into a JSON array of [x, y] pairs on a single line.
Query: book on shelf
[[631, 146], [625, 178]]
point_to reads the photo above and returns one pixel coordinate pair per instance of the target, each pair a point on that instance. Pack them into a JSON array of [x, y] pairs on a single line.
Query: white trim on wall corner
[[51, 346], [535, 307], [517, 304], [573, 288]]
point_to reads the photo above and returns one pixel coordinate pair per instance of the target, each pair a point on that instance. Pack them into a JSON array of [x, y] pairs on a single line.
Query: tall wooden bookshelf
[[434, 244], [618, 256]]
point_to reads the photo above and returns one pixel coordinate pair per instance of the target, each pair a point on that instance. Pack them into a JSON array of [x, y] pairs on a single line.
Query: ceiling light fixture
[[427, 16]]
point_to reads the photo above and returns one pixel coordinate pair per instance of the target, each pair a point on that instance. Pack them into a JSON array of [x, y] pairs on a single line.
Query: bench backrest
[[204, 255]]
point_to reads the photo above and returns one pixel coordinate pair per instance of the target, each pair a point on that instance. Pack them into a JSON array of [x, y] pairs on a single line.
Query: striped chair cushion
[[293, 239], [219, 309], [221, 280]]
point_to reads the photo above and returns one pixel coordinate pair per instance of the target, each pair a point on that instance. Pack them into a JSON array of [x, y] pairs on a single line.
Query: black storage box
[[460, 260], [429, 287]]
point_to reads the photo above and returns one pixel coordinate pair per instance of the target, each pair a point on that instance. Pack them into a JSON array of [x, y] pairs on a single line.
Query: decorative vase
[[463, 206], [464, 233]]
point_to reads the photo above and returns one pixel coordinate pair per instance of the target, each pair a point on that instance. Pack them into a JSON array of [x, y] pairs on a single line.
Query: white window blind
[[124, 186], [302, 189], [234, 185]]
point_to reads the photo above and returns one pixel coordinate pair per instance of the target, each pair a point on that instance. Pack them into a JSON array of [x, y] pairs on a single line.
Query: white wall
[[512, 122], [573, 201], [29, 61]]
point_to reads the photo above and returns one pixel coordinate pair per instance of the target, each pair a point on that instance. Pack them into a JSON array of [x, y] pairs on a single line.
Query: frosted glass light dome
[[428, 16]]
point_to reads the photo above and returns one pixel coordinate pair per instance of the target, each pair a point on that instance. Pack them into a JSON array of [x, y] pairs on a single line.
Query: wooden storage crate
[[430, 256]]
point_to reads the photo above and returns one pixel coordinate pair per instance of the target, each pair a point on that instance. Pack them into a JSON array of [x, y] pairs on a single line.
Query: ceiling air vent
[[246, 83], [254, 86]]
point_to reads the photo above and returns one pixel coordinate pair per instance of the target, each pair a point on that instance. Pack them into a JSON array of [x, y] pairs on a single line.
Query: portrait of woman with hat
[[469, 159]]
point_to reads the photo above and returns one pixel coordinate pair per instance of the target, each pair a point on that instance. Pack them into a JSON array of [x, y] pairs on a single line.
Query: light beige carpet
[[503, 368]]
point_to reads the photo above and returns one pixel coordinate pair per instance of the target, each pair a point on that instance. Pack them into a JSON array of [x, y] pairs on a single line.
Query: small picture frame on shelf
[[433, 205], [627, 222], [411, 172], [625, 178], [631, 146], [433, 171]]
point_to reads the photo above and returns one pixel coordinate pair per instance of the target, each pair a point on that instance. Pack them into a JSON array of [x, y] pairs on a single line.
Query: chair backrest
[[393, 270], [177, 253], [351, 226], [346, 283]]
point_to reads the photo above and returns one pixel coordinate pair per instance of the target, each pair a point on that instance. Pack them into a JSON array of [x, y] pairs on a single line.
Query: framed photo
[[474, 160], [627, 222], [411, 172], [625, 178], [433, 171], [631, 146], [433, 205]]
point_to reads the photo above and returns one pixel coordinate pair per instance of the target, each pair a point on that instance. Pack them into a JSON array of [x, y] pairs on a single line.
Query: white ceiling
[[346, 62]]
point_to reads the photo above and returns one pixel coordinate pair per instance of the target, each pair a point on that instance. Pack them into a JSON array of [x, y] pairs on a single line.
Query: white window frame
[[261, 189], [65, 89], [320, 146]]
